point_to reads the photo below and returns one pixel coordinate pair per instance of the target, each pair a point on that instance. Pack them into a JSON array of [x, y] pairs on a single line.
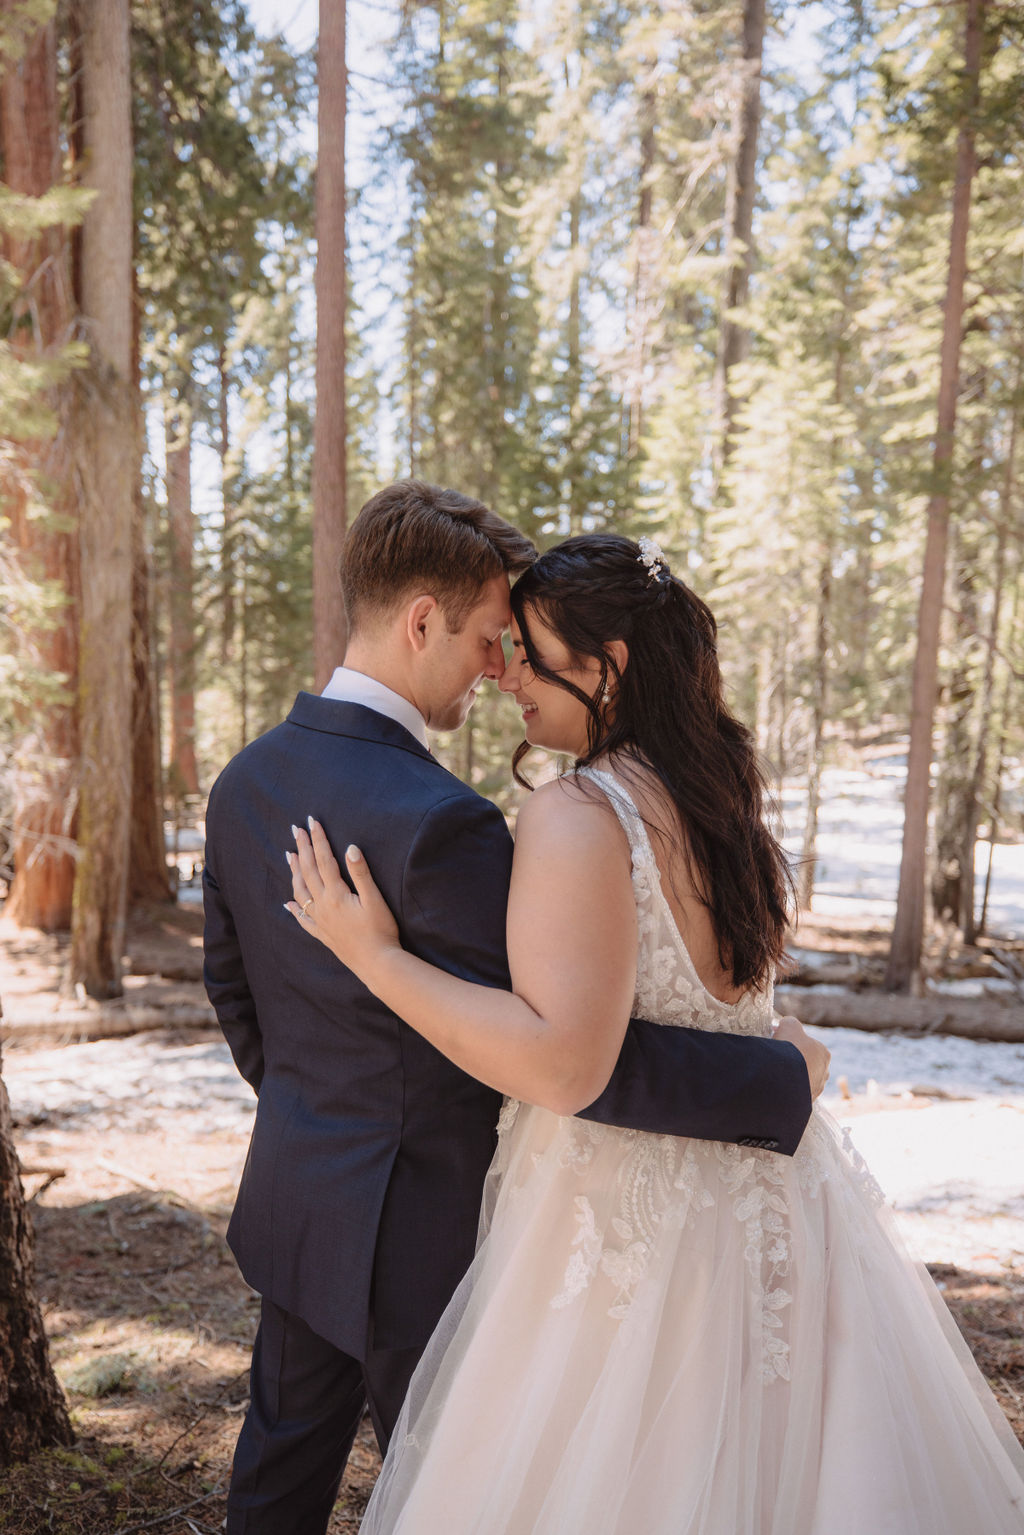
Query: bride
[[657, 1336]]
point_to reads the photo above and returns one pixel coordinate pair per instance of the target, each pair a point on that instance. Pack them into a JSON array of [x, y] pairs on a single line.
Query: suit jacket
[[359, 1199]]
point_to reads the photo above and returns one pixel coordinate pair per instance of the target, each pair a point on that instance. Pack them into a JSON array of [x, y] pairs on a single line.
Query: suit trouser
[[306, 1400]]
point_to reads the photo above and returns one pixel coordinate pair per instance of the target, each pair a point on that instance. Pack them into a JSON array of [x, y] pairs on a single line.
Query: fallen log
[[878, 1011], [68, 1025], [875, 1011], [842, 972]]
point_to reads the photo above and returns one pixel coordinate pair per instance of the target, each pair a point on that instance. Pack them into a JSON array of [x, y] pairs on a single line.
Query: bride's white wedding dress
[[676, 1337]]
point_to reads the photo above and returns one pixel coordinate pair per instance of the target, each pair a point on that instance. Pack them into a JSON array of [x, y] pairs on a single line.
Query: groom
[[357, 1211]]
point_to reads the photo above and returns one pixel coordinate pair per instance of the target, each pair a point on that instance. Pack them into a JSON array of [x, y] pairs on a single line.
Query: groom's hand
[[816, 1056]]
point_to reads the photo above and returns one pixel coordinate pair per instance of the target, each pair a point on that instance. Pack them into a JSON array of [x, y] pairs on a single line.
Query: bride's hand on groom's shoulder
[[355, 924]]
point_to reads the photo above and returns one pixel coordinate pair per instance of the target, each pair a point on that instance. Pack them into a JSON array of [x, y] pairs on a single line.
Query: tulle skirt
[[671, 1337]]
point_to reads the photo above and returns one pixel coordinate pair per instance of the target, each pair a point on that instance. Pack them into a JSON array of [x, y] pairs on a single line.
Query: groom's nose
[[495, 661], [509, 681]]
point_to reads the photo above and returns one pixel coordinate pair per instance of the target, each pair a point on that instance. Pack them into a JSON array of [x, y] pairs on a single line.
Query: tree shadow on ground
[[989, 1311], [150, 1328]]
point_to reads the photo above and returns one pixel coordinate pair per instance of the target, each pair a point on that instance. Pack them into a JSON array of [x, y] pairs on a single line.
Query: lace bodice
[[629, 1189], [668, 988]]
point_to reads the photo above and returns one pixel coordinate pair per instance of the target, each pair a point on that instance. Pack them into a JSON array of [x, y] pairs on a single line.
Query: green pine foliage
[[537, 255]]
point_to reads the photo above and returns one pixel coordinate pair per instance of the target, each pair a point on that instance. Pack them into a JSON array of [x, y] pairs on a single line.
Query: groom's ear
[[421, 615]]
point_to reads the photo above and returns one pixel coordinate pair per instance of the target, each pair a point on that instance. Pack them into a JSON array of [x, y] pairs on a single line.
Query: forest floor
[[132, 1147], [131, 1150]]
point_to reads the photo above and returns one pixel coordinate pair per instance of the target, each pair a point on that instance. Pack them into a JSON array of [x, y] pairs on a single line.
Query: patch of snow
[[860, 833], [951, 1173], [142, 1082], [951, 1170], [976, 986], [964, 1068]]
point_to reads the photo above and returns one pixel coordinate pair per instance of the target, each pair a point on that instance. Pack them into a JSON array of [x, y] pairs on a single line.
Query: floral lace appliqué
[[662, 1182], [508, 1116]]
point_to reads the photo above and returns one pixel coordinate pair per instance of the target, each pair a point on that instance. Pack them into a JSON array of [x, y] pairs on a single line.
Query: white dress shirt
[[351, 687]]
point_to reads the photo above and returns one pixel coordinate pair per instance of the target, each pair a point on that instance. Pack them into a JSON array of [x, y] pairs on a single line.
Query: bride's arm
[[572, 954]]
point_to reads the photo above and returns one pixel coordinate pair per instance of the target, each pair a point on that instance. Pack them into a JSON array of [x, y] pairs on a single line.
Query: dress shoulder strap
[[623, 804]]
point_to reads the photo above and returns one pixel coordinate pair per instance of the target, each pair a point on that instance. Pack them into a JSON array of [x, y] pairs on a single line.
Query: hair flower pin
[[653, 556]]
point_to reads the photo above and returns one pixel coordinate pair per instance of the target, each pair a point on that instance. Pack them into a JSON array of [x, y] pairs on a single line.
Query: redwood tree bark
[[32, 1409], [908, 931], [107, 454], [329, 430], [44, 868]]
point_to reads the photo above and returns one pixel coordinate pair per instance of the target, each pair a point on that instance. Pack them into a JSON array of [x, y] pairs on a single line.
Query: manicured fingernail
[[309, 822], [295, 831], [352, 853], [288, 859]]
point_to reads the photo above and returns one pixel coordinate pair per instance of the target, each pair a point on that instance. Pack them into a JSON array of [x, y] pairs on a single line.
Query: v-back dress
[[663, 1336]]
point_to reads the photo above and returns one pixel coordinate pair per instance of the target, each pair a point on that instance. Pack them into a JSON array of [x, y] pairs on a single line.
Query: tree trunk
[[574, 372], [977, 781], [329, 430], [227, 489], [808, 856], [819, 706], [780, 698], [107, 453], [643, 242], [496, 316], [859, 624], [183, 774], [950, 795], [763, 664], [243, 648], [149, 878], [45, 786], [908, 931], [739, 226], [33, 1413], [576, 496], [1011, 691], [412, 357]]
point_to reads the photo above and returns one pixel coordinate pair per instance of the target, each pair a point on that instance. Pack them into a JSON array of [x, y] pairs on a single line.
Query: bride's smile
[[552, 717]]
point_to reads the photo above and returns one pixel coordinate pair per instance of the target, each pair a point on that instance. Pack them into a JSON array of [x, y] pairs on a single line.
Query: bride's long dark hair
[[668, 712]]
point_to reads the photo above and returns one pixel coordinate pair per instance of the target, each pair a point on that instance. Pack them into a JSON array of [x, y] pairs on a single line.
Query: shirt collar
[[351, 687]]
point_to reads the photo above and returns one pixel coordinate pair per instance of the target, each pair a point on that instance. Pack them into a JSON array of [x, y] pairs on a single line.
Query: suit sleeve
[[711, 1086], [671, 1081], [225, 980], [455, 891]]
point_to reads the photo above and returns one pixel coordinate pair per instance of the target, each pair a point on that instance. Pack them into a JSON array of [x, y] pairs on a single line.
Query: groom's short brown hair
[[413, 537]]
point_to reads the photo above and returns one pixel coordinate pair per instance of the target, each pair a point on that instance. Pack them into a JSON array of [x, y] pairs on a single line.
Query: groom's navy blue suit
[[357, 1211]]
